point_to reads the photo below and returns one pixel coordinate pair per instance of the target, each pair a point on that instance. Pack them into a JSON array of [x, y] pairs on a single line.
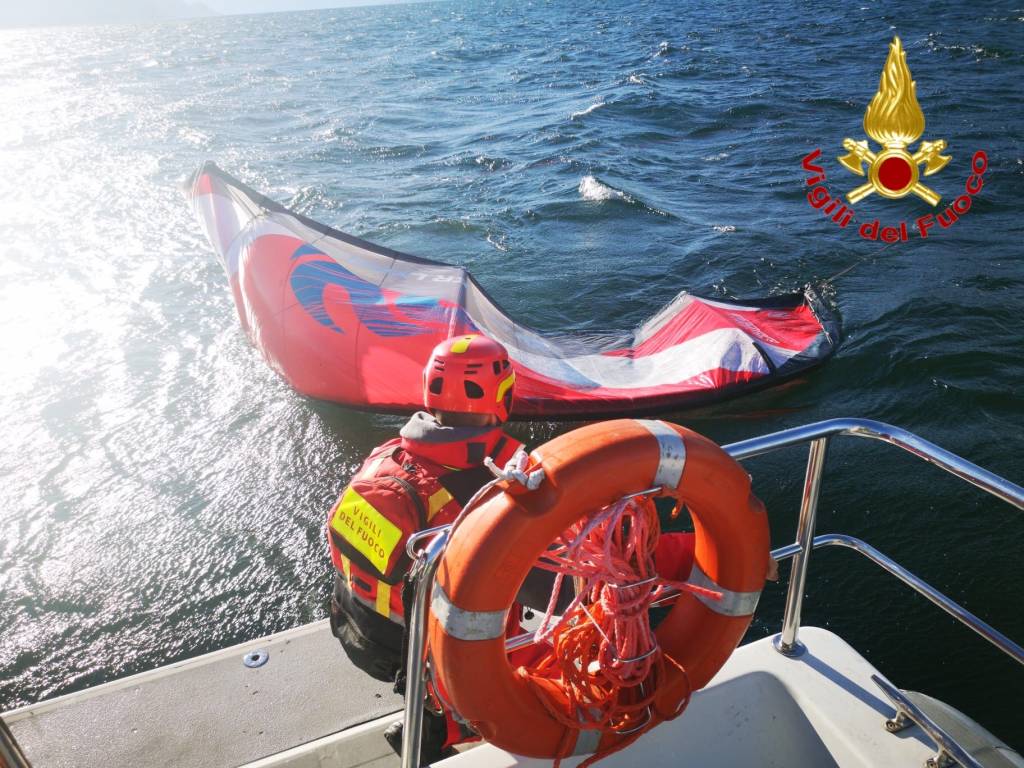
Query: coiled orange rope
[[604, 665]]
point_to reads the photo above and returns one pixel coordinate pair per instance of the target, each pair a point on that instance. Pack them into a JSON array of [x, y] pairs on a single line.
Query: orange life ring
[[491, 552]]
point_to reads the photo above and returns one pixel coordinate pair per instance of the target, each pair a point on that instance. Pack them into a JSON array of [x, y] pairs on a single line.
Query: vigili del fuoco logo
[[895, 121]]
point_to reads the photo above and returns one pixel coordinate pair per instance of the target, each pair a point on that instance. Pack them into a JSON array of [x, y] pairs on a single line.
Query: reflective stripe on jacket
[[405, 485]]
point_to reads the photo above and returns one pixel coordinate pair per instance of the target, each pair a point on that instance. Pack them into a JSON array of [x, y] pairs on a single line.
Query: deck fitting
[[256, 658]]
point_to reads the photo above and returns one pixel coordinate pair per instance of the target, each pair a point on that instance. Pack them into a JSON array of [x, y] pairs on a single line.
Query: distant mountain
[[58, 12]]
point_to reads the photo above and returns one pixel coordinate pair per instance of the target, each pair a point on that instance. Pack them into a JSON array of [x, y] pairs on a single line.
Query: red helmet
[[469, 374]]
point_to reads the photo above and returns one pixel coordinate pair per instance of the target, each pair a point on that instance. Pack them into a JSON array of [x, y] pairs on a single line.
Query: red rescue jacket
[[417, 481]]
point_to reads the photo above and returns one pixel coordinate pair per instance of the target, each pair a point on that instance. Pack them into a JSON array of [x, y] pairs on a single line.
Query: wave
[[664, 49], [491, 163], [499, 241], [593, 189], [595, 106], [978, 52]]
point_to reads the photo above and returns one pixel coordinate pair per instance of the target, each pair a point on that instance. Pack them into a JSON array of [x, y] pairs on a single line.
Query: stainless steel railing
[[423, 571], [11, 755], [919, 585], [818, 435]]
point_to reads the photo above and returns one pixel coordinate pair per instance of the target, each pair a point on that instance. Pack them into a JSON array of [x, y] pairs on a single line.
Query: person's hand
[[773, 570]]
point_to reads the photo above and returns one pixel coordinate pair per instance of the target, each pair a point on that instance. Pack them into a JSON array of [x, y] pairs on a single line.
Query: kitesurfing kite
[[345, 320]]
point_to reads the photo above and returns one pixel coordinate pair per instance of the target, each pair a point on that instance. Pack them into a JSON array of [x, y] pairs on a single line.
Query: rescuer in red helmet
[[419, 480]]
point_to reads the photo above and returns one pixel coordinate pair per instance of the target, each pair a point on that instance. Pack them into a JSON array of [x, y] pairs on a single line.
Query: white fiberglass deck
[[211, 711], [308, 707], [763, 709]]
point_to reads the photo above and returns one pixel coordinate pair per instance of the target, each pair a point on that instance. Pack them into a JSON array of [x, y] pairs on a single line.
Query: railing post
[[11, 755], [415, 673], [786, 642]]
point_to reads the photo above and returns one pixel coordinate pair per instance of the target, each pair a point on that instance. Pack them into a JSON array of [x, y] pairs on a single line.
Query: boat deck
[[307, 706], [209, 712], [763, 709]]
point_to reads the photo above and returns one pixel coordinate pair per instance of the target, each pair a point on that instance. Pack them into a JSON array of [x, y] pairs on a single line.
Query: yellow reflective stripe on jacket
[[436, 501], [361, 525], [384, 599], [371, 603], [346, 566]]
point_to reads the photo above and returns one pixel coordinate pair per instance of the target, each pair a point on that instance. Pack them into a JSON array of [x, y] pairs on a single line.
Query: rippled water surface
[[162, 490]]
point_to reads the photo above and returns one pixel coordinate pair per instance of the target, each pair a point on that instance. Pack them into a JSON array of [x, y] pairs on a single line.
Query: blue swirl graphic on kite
[[384, 316]]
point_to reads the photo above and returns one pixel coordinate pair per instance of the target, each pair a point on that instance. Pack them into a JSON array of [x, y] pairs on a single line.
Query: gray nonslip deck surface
[[208, 711]]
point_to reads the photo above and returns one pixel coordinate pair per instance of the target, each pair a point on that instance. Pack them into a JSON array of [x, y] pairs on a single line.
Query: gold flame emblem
[[894, 119]]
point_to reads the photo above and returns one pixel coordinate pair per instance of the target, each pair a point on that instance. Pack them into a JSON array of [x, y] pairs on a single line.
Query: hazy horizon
[[69, 12], [229, 7]]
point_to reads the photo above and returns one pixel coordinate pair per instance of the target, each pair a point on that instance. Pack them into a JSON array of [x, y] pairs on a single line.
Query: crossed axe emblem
[[894, 172]]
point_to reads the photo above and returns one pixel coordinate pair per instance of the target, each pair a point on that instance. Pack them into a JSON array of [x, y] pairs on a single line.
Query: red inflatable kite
[[345, 320]]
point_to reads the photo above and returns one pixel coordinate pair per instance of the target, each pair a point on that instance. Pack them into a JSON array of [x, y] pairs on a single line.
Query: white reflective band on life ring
[[466, 625], [673, 453], [731, 604]]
